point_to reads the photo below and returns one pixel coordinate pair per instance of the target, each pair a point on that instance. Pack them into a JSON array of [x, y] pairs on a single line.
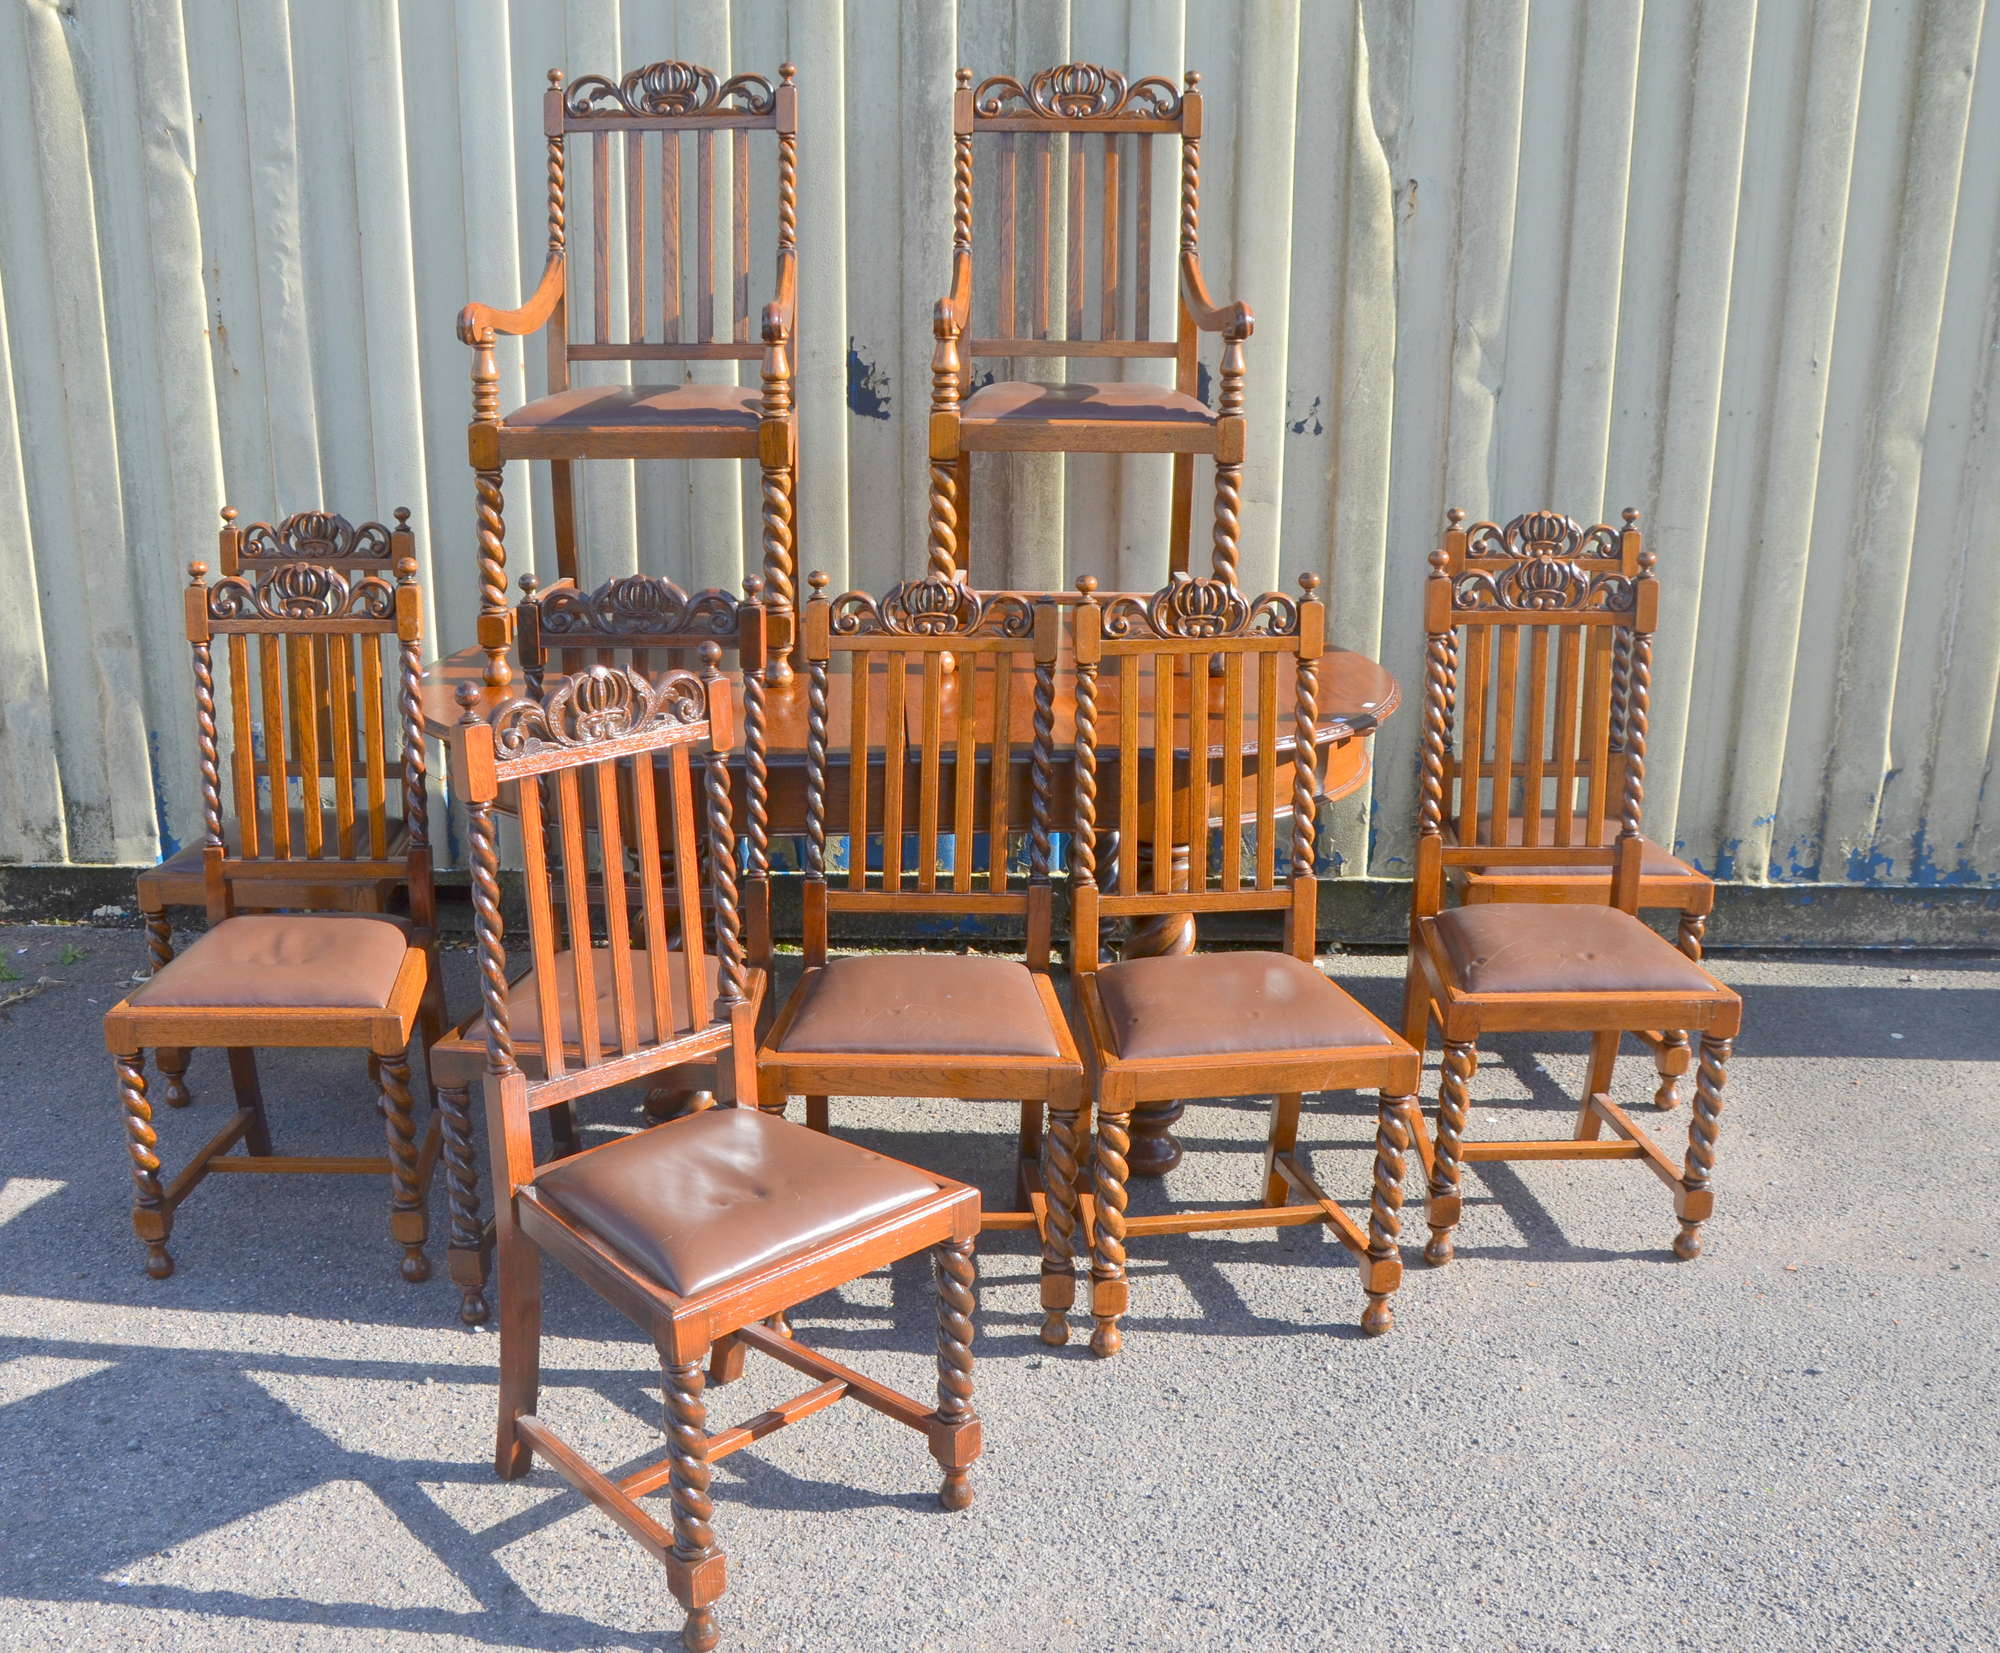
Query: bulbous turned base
[[1440, 1250], [699, 1634], [159, 1262], [956, 1493], [472, 1308], [1668, 1096], [1107, 1340], [1378, 1317], [1687, 1243], [416, 1266], [1055, 1329], [665, 1102], [173, 1090]]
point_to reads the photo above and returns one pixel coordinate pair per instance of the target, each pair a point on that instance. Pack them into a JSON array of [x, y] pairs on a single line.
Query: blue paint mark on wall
[[867, 387], [170, 846]]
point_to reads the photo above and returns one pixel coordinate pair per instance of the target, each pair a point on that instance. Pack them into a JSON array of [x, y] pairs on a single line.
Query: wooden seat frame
[[912, 630], [1585, 599], [1201, 634], [1081, 101], [303, 617], [591, 724], [670, 98]]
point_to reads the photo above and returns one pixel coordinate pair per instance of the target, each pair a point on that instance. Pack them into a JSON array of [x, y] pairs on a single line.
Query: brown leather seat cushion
[[1039, 402], [920, 1004], [1560, 947], [186, 861], [700, 1200], [1226, 1004], [737, 407], [258, 961], [524, 1007], [1654, 862]]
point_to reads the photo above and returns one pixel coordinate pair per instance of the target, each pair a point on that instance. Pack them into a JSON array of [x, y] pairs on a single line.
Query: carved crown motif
[[301, 591], [315, 536], [1541, 534], [933, 607], [1196, 607], [1543, 563], [599, 704], [670, 87], [636, 605], [1079, 91]]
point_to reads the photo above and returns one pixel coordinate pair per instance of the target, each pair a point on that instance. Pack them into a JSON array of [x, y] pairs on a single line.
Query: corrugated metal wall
[[1734, 264]]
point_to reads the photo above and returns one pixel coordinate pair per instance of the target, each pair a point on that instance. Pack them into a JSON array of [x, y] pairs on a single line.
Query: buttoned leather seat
[[920, 1005], [1228, 1004], [283, 961], [1039, 402], [1559, 947], [702, 1200], [650, 407]]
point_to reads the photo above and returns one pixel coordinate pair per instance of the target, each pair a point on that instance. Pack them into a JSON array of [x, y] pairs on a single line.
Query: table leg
[[1155, 1151]]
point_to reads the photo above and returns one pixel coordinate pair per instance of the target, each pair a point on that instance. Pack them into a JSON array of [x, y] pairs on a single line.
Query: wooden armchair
[[1526, 632], [316, 638], [1194, 668], [1071, 110], [705, 1230], [935, 750], [679, 103]]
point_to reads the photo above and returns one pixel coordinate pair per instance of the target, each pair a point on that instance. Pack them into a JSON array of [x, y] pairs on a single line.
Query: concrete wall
[[1733, 264]]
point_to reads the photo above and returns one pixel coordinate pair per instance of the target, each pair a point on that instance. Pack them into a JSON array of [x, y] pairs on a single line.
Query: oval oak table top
[[1355, 696]]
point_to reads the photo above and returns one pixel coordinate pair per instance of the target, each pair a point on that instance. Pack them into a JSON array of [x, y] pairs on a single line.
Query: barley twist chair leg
[[493, 611], [695, 1571], [955, 1440], [1697, 1197], [151, 1220], [1454, 1100], [408, 1221], [159, 942], [1109, 1170], [1693, 927], [1059, 1146], [467, 1259], [1383, 1269]]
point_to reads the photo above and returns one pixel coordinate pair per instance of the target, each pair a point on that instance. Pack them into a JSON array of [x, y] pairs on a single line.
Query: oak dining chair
[[1665, 880], [1526, 628], [1070, 214], [931, 775], [706, 1230], [675, 295], [1193, 669], [330, 541], [298, 639]]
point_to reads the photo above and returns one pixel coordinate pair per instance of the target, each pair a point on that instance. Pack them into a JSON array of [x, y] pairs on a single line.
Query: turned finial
[[555, 77], [1631, 517], [468, 700], [964, 80], [753, 587], [1454, 516], [197, 572], [1438, 560], [1193, 79], [228, 514], [1087, 585], [818, 580], [788, 72], [529, 586], [1647, 558], [711, 656], [402, 516], [406, 570], [1309, 583]]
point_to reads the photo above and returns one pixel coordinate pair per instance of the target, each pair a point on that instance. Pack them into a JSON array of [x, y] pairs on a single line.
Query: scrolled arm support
[[1232, 320], [476, 319]]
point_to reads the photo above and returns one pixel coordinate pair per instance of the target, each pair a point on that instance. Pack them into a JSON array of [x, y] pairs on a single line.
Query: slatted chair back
[[627, 995], [647, 623], [650, 210], [1196, 668], [935, 710], [1537, 677], [321, 723], [321, 537], [1065, 266]]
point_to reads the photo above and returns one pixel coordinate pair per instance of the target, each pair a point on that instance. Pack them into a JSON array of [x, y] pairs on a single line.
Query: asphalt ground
[[1570, 1440]]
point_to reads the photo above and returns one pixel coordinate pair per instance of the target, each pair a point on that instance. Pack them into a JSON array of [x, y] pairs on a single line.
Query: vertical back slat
[[1107, 326], [1267, 772], [1568, 639], [617, 928], [1597, 730], [305, 723], [739, 212], [1163, 772], [930, 748], [1009, 201], [1233, 748], [600, 237], [271, 681], [242, 747], [1142, 250], [1472, 732], [375, 739], [576, 914], [670, 240], [687, 886], [1199, 690], [1538, 735], [704, 149], [340, 725], [999, 779], [541, 924], [645, 815], [635, 237], [1078, 158], [1045, 208], [1505, 689], [1128, 774], [965, 771], [895, 756], [860, 669]]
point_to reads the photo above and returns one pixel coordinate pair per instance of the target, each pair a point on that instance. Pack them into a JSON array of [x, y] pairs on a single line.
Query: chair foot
[[416, 1266], [699, 1634], [1378, 1317], [472, 1306], [1687, 1243], [173, 1066], [956, 1493], [1055, 1328], [159, 1261], [1668, 1096], [1106, 1340], [513, 1458], [1440, 1250]]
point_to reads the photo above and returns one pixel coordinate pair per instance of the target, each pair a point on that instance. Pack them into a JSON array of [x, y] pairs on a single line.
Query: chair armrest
[[1232, 320], [779, 313], [476, 319], [955, 308]]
